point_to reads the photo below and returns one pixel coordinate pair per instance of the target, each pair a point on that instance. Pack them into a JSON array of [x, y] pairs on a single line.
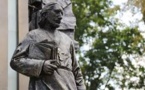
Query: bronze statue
[[68, 21], [47, 55]]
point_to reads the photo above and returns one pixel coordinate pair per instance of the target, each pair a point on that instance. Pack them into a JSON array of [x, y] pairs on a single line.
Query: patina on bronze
[[68, 21], [47, 55]]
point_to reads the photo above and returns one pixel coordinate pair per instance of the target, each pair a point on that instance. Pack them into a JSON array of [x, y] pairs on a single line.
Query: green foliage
[[107, 51], [140, 4], [101, 64], [87, 11]]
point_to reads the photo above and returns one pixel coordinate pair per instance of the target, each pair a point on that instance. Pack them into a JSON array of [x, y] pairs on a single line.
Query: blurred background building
[[13, 28]]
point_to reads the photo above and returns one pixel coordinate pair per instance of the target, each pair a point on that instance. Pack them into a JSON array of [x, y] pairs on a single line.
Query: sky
[[128, 17], [119, 2]]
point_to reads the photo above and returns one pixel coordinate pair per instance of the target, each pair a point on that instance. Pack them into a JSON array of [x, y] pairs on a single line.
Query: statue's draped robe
[[28, 59]]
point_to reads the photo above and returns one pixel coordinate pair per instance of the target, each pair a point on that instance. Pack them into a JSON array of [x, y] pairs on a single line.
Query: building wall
[[3, 45], [7, 80], [23, 29]]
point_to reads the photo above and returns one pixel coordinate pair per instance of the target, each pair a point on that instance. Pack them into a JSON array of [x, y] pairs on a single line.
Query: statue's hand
[[49, 67]]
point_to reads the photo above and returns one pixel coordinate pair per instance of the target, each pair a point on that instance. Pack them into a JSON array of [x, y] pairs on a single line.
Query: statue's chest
[[62, 43]]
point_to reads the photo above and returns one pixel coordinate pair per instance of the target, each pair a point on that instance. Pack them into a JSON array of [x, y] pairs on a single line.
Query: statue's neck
[[49, 28]]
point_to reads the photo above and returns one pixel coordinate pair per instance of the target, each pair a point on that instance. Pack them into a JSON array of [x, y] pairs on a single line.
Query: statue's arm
[[24, 65], [77, 72]]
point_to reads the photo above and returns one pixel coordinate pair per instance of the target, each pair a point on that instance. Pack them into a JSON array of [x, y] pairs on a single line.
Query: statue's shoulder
[[65, 36], [35, 32]]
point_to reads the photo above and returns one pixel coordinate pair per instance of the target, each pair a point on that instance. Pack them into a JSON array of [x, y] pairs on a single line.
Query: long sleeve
[[22, 63], [77, 72]]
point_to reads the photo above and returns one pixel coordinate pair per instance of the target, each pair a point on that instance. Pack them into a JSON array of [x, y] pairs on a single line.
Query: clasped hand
[[49, 66]]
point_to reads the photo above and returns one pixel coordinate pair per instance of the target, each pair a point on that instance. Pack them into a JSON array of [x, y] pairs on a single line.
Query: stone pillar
[[3, 45], [22, 30]]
